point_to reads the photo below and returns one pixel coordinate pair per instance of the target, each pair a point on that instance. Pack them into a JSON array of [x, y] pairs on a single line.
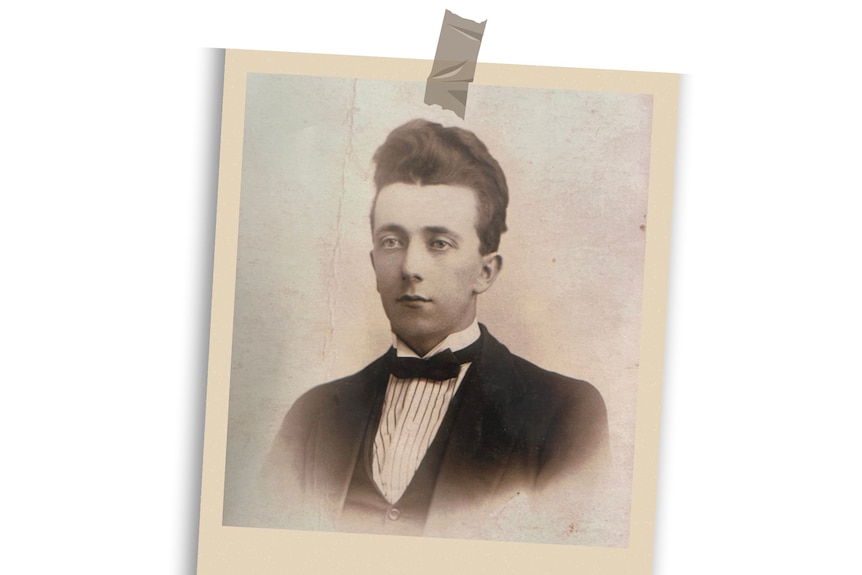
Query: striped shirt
[[413, 410]]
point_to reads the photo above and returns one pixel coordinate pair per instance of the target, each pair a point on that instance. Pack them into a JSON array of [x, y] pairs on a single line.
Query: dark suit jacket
[[518, 430]]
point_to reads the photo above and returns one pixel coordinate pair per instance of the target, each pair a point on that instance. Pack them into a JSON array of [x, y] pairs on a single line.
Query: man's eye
[[390, 243], [439, 244]]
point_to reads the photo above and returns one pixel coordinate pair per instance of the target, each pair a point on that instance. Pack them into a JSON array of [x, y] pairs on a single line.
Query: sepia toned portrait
[[436, 326]]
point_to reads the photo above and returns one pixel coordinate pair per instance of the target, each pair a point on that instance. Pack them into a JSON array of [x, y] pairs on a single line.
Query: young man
[[441, 434]]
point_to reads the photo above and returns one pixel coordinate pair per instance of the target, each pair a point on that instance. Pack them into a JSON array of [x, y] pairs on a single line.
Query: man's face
[[427, 261]]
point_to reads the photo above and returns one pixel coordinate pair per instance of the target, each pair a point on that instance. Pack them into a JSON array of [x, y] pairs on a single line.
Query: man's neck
[[454, 341]]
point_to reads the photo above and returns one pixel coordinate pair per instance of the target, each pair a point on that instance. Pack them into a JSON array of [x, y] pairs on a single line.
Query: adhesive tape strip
[[455, 63]]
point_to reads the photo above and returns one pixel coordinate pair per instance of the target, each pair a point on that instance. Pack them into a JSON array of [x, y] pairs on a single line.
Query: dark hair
[[424, 153]]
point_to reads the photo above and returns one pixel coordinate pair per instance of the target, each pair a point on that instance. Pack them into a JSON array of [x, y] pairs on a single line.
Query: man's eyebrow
[[388, 228], [442, 230]]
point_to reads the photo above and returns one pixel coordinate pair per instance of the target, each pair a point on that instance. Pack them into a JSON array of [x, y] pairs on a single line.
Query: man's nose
[[414, 262]]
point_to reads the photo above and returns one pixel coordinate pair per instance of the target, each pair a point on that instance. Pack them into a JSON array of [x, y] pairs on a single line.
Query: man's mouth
[[412, 298]]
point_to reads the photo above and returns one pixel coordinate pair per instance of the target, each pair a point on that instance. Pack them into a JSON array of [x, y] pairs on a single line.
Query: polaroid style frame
[[267, 272]]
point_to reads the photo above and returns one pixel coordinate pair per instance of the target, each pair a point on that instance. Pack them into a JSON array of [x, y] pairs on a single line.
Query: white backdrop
[[109, 131]]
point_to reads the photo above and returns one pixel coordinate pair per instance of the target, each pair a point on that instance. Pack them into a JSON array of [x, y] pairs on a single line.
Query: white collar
[[454, 341]]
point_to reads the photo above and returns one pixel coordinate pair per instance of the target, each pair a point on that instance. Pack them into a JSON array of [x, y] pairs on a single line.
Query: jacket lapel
[[483, 434], [338, 436]]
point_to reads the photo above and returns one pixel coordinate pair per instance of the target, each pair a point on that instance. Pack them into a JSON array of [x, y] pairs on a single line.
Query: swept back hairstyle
[[424, 153]]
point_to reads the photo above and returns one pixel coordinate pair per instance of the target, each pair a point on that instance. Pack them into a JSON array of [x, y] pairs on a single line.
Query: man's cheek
[[383, 271]]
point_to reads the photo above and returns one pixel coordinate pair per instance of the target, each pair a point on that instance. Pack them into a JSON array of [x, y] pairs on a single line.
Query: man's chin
[[419, 338], [412, 333]]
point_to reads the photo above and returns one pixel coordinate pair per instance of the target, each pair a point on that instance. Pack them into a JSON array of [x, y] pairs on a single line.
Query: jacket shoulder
[[565, 417], [567, 396], [540, 383], [320, 398], [325, 413]]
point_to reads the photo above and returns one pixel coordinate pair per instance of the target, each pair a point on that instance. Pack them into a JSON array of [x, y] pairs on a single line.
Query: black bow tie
[[439, 367]]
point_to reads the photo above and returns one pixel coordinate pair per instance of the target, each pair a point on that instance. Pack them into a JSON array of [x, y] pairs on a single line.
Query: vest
[[366, 510]]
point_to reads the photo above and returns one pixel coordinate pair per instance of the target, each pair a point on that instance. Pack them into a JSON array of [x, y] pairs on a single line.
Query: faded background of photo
[[306, 309]]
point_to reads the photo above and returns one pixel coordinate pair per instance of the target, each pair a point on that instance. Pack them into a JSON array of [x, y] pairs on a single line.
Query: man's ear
[[491, 265], [371, 255]]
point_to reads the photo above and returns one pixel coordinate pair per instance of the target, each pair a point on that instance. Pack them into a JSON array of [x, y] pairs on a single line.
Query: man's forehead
[[412, 206]]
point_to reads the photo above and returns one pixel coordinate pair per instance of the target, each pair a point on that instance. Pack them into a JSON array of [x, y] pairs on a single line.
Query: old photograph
[[378, 235]]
